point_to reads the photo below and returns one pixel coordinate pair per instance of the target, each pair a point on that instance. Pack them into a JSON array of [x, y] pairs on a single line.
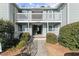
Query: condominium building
[[40, 20]]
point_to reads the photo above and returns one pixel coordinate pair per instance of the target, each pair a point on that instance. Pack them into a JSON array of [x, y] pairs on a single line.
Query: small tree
[[6, 33]]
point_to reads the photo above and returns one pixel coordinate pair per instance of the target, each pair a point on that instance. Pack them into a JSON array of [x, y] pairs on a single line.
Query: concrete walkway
[[39, 43]]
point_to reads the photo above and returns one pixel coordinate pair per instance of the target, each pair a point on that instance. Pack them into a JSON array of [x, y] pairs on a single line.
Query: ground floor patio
[[35, 28]]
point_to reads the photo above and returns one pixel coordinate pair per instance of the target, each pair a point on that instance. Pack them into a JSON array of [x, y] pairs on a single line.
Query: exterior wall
[[73, 12], [44, 29], [4, 11], [57, 15], [64, 15], [12, 17], [24, 29], [30, 29], [8, 11], [16, 31], [56, 28], [12, 12]]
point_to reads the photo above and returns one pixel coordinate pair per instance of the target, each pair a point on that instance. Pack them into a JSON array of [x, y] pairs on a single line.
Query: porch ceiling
[[38, 5]]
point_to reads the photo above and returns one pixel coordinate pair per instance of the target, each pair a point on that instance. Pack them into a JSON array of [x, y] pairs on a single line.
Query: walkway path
[[39, 43]]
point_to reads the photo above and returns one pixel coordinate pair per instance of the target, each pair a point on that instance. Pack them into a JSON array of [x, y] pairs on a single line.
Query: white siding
[[30, 29], [7, 11], [4, 11], [44, 29], [12, 12], [73, 12], [16, 31], [64, 15]]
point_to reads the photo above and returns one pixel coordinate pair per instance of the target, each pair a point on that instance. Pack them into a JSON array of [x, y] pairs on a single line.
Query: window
[[50, 11], [50, 28], [19, 27], [53, 29]]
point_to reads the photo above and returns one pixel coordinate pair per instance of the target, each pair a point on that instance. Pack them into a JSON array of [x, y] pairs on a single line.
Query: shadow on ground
[[72, 54], [24, 54]]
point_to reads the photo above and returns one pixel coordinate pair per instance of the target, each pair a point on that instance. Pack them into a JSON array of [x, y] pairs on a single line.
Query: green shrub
[[6, 33], [23, 41], [25, 36], [69, 36], [21, 44], [51, 38]]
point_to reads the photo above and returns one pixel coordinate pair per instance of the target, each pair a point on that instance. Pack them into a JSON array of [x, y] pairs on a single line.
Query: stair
[[39, 36]]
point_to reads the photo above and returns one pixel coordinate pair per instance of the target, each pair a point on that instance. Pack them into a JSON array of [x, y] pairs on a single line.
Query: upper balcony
[[31, 17]]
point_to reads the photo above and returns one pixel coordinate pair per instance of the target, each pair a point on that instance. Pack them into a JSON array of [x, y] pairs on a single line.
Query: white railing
[[38, 17], [22, 17]]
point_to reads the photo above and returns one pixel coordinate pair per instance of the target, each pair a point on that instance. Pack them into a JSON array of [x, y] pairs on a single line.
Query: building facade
[[40, 20]]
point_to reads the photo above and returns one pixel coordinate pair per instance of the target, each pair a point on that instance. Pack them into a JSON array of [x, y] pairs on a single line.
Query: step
[[39, 36]]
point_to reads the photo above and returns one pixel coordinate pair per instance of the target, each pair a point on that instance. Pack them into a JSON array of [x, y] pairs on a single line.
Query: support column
[[28, 26], [30, 15], [47, 27]]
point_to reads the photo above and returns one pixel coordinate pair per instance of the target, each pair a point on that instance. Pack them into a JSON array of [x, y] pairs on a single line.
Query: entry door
[[39, 29], [36, 29]]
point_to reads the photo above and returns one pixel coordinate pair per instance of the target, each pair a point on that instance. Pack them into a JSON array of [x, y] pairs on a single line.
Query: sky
[[27, 5]]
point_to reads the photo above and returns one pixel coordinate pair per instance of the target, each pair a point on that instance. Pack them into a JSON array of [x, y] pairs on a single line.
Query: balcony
[[38, 17]]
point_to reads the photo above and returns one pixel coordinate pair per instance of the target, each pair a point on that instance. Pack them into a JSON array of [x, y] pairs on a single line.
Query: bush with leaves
[[51, 38], [23, 40], [69, 36], [6, 33]]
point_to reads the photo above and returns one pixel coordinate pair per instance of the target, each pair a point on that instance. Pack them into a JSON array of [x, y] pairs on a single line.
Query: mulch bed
[[11, 52], [58, 50]]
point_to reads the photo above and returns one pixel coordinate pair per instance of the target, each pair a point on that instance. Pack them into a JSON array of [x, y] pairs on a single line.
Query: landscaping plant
[[23, 40], [6, 33], [69, 36], [51, 38]]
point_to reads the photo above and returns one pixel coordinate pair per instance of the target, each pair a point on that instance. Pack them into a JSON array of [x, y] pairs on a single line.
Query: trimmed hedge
[[23, 40], [69, 36], [51, 38]]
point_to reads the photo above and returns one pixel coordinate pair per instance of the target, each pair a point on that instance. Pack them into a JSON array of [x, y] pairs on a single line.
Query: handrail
[[31, 40], [28, 47], [38, 16]]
